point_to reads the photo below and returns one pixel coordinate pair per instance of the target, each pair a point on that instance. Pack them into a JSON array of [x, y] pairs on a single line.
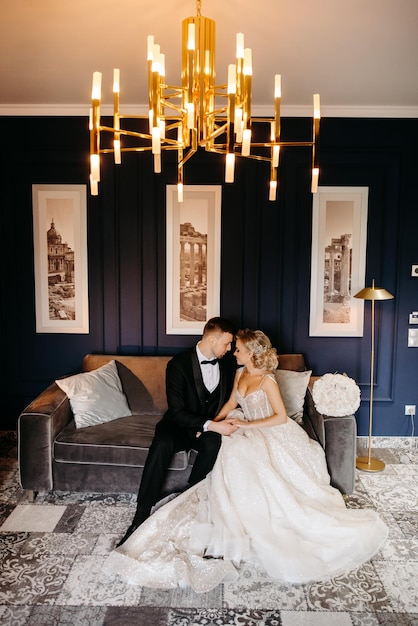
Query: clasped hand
[[227, 426], [235, 421], [223, 427]]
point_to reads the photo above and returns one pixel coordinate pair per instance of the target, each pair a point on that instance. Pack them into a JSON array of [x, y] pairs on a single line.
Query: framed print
[[339, 238], [60, 256], [193, 249]]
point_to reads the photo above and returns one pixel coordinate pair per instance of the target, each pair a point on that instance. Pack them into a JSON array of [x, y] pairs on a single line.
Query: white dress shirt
[[210, 374]]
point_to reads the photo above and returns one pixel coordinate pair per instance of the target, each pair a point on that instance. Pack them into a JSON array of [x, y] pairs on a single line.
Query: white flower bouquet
[[336, 395]]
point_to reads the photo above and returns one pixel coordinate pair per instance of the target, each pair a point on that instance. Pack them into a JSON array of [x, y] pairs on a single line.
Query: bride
[[267, 501]]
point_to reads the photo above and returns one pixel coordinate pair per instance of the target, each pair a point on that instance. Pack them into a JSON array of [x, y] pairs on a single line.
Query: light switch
[[413, 317], [413, 338], [414, 271]]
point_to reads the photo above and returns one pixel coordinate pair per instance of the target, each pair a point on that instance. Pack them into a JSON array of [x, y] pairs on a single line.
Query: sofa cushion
[[293, 387], [124, 441], [96, 397]]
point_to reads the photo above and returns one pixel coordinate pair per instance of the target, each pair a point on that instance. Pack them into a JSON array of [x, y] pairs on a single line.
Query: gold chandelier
[[198, 113]]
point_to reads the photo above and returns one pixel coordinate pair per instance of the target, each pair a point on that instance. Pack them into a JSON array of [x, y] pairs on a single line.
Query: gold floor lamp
[[366, 463]]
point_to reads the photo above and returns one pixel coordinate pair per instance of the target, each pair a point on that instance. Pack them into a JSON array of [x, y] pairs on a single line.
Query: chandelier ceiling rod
[[198, 113]]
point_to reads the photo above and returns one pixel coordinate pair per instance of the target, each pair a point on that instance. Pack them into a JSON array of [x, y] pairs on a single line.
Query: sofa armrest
[[337, 436], [38, 425], [313, 421]]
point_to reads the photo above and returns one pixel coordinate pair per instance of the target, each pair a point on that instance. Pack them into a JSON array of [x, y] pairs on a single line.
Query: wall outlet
[[409, 409]]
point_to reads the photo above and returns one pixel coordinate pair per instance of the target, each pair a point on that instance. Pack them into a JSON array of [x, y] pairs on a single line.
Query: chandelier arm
[[222, 149], [132, 149], [185, 158]]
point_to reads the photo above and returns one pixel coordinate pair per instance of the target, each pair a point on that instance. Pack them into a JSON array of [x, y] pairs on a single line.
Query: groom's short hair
[[218, 325]]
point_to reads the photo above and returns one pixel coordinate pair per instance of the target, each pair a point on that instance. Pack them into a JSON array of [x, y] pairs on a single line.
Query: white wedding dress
[[267, 501]]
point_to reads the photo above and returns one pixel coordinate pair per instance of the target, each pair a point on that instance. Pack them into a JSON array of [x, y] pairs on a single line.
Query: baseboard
[[388, 442]]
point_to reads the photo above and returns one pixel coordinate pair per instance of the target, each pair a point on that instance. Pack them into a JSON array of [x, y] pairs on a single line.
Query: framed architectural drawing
[[339, 239], [60, 256], [193, 247]]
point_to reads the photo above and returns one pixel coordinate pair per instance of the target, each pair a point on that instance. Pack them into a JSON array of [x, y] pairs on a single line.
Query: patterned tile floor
[[52, 552]]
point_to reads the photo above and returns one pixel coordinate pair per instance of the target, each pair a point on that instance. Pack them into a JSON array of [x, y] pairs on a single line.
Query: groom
[[198, 383]]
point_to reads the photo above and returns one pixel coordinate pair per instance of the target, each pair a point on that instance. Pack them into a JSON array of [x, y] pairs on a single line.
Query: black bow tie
[[212, 362]]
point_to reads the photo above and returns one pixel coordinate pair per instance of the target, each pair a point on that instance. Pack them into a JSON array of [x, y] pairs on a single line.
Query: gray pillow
[[96, 397], [293, 387]]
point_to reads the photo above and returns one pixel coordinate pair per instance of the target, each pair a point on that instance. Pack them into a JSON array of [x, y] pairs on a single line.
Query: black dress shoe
[[132, 528], [142, 513]]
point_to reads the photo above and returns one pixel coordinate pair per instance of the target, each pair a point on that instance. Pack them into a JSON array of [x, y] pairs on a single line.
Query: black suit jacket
[[186, 392]]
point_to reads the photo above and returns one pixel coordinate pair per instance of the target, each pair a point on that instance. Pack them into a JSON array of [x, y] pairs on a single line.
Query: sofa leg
[[31, 495]]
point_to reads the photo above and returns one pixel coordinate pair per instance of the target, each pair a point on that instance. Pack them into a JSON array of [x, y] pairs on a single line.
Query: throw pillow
[[95, 397], [293, 387]]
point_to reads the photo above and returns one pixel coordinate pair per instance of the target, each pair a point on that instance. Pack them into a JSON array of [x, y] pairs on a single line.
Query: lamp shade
[[373, 293]]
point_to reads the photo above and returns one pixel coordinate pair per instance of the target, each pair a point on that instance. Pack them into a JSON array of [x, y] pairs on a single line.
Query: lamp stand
[[367, 463]]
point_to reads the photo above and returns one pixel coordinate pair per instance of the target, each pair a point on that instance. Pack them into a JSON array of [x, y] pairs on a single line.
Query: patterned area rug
[[52, 552]]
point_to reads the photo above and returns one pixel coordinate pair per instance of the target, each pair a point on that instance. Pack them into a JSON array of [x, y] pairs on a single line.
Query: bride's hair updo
[[264, 355]]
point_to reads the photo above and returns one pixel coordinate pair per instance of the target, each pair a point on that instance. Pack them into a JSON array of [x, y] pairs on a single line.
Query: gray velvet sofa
[[108, 458]]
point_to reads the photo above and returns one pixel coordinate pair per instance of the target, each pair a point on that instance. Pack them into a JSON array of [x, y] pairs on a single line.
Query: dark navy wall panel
[[265, 254]]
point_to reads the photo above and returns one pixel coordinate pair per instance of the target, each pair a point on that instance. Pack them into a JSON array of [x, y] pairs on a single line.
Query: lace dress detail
[[267, 501]]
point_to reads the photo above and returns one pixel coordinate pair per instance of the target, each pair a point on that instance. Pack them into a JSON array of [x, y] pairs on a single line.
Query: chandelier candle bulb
[[156, 140], [238, 120], [316, 106], [156, 58], [162, 64], [97, 86], [191, 37], [278, 86], [157, 163], [248, 62], [162, 130], [315, 177], [190, 115], [246, 142], [116, 80], [273, 190], [94, 187], [229, 168], [240, 46], [180, 192], [276, 153], [232, 84], [95, 167], [116, 148]]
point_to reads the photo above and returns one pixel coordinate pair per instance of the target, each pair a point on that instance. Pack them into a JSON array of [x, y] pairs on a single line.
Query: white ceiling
[[360, 55]]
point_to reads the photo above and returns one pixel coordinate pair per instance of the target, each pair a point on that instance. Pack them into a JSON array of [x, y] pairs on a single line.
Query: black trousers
[[169, 439]]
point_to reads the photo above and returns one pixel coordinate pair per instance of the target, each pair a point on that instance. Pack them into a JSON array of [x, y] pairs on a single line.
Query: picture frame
[[339, 240], [60, 258], [192, 299]]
